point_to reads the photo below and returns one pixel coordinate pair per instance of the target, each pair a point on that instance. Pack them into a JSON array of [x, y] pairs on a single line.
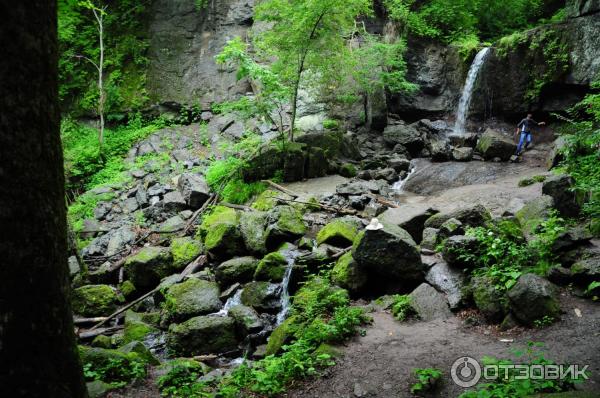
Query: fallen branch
[[321, 206], [201, 210], [278, 187], [88, 334], [384, 201], [237, 207], [341, 253], [191, 267], [79, 321]]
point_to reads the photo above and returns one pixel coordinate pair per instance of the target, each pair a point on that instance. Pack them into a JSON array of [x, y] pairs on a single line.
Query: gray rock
[[450, 228], [240, 269], [430, 238], [406, 135], [440, 150], [141, 195], [429, 303], [449, 281], [156, 190], [130, 205], [285, 224], [172, 224], [410, 217], [559, 188], [488, 299], [192, 298], [262, 296], [391, 254], [494, 144], [119, 239], [73, 266], [455, 245], [586, 271], [533, 214], [390, 175], [194, 189], [533, 298], [462, 154], [202, 335], [173, 202], [101, 210], [246, 319], [357, 188], [399, 163], [472, 216], [253, 227], [146, 268]]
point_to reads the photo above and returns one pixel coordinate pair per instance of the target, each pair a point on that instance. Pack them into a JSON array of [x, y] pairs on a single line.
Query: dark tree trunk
[[38, 355]]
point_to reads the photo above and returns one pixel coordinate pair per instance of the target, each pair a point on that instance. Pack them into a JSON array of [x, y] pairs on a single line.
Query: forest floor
[[381, 363]]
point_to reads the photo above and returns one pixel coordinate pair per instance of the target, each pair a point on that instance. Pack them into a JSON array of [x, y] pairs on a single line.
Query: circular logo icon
[[465, 372]]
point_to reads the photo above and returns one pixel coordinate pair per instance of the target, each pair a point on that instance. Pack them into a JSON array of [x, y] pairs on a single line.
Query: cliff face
[[185, 39], [183, 43]]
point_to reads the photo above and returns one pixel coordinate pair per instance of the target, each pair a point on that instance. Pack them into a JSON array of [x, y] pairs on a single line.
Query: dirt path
[[380, 364]]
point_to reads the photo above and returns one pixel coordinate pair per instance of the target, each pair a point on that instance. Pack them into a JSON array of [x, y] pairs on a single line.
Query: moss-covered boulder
[[136, 327], [140, 349], [472, 216], [338, 233], [253, 227], [586, 271], [489, 300], [391, 254], [184, 250], [280, 336], [449, 228], [266, 201], [271, 268], [285, 225], [246, 319], [202, 335], [192, 298], [221, 232], [239, 269], [494, 144], [262, 296], [348, 274], [146, 268], [102, 341], [533, 298], [533, 214], [112, 365], [95, 300], [348, 170]]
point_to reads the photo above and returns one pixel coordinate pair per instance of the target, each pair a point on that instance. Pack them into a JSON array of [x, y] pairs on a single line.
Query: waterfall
[[234, 300], [465, 99], [290, 256], [399, 185]]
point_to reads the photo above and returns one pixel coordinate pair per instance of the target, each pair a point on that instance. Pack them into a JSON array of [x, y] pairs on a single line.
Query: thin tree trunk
[[38, 354], [102, 96]]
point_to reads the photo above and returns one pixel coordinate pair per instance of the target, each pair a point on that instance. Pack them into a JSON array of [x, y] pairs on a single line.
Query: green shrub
[[427, 380], [402, 309], [180, 381]]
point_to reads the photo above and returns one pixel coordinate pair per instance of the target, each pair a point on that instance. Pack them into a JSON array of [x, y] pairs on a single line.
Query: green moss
[[219, 215], [184, 250], [220, 236], [271, 268], [337, 233], [348, 170], [135, 327], [525, 182], [280, 336], [290, 221], [265, 201], [347, 273], [328, 349], [102, 341], [127, 289], [95, 300]]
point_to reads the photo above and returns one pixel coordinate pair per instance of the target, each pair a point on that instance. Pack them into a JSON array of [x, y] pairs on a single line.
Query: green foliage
[[467, 46], [180, 381], [556, 61], [509, 42], [125, 61], [503, 254], [118, 371], [525, 182], [592, 289], [427, 379], [225, 177], [510, 387], [331, 124], [320, 314], [402, 308], [582, 152], [543, 322]]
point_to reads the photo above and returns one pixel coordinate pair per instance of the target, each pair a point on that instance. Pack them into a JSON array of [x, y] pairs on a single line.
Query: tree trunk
[[38, 355]]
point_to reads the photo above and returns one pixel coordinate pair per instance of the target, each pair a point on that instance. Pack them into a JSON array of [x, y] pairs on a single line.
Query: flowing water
[[465, 99], [399, 185], [290, 256], [232, 301]]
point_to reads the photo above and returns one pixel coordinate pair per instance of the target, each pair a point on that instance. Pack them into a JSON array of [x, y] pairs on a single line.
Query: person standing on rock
[[524, 127]]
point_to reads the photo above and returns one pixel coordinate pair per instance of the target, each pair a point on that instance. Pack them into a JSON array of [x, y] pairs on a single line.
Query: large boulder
[[429, 304], [202, 335], [559, 188], [410, 217], [406, 135], [262, 296], [184, 250], [449, 281], [494, 144], [455, 246], [348, 274], [271, 268], [137, 327], [239, 269], [489, 300], [357, 187], [253, 227], [224, 240], [586, 271], [533, 298], [146, 268], [194, 189], [390, 253], [472, 216], [95, 300], [285, 224], [246, 319], [533, 214], [338, 233], [192, 298]]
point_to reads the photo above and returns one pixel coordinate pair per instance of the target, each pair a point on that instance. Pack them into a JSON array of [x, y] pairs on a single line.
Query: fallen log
[[91, 333], [321, 206], [278, 187]]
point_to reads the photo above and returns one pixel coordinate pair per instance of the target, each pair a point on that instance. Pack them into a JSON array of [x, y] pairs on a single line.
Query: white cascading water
[[467, 94], [234, 300], [290, 256], [399, 185]]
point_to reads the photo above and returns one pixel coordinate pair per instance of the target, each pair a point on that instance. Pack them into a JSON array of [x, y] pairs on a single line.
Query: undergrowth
[[321, 313]]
